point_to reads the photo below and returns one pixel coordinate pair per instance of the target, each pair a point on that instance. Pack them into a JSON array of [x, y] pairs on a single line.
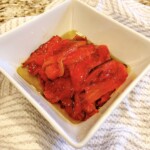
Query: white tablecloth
[[128, 127]]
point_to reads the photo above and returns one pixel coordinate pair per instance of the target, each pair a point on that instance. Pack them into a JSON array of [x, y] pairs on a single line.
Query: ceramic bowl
[[127, 45]]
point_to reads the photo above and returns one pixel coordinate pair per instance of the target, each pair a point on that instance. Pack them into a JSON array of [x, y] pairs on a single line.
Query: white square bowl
[[125, 44]]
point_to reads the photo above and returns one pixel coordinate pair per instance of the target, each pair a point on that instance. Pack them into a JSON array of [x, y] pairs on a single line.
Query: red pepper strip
[[106, 71], [42, 75], [110, 76], [69, 111], [78, 73], [78, 117], [70, 48], [42, 78], [54, 66], [77, 108], [53, 45], [97, 91], [75, 111], [103, 54], [33, 64], [67, 102], [80, 70], [79, 54], [80, 38], [103, 99], [54, 70], [57, 90], [89, 109], [32, 68], [37, 58], [80, 111]]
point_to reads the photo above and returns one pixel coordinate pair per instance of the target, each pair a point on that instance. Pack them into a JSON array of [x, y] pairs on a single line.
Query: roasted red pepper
[[76, 74]]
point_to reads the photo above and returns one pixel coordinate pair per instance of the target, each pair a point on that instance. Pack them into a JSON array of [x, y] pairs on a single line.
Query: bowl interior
[[124, 44]]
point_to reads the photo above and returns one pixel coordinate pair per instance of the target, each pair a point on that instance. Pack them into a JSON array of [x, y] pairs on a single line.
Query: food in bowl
[[74, 73]]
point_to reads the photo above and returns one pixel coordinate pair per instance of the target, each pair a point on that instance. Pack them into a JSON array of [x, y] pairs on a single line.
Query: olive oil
[[69, 34], [32, 80]]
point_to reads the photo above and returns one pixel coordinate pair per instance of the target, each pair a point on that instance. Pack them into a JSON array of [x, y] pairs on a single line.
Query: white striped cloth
[[127, 128]]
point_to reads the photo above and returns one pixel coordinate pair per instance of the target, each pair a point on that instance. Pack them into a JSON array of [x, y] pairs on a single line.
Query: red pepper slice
[[104, 79], [76, 75]]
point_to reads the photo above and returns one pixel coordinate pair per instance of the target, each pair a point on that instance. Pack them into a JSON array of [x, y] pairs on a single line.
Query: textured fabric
[[128, 127]]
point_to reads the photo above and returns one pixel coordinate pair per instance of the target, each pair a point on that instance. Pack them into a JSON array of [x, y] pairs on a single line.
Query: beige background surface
[[20, 8]]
